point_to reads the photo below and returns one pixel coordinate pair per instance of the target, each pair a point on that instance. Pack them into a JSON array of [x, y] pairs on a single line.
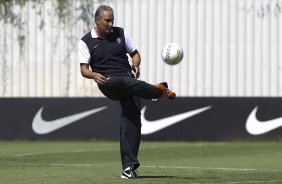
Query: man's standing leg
[[130, 133]]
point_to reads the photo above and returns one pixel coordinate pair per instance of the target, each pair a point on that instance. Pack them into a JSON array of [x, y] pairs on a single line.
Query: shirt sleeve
[[129, 43], [83, 53]]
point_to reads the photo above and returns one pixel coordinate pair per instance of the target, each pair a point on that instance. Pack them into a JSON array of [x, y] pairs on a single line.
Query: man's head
[[104, 19]]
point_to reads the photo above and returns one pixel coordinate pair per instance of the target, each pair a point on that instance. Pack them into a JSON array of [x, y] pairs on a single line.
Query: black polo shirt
[[109, 55]]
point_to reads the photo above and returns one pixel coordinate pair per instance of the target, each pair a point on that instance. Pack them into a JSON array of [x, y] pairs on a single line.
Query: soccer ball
[[172, 53]]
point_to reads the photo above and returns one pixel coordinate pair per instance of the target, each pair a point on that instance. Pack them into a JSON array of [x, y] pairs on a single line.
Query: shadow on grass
[[174, 177], [168, 177]]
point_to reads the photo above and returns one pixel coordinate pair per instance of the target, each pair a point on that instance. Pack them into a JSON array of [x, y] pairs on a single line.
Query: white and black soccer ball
[[172, 53]]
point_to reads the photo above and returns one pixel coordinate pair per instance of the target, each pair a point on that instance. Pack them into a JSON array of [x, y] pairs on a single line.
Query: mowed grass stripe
[[147, 166]]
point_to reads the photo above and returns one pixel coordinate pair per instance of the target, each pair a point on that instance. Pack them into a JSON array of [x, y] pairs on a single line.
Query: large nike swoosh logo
[[256, 127], [149, 127], [41, 126]]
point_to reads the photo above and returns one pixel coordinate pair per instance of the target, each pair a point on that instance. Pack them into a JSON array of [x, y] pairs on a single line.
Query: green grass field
[[78, 162]]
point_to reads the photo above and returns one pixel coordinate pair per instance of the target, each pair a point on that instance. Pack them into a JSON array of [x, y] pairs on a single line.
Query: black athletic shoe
[[129, 174]]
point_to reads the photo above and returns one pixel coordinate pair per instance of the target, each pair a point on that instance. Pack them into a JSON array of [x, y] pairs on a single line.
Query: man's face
[[105, 23]]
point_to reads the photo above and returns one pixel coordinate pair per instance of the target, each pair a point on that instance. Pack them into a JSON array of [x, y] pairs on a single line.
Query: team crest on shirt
[[118, 40]]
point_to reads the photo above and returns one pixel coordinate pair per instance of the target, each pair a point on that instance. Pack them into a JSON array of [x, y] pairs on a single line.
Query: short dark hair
[[100, 9]]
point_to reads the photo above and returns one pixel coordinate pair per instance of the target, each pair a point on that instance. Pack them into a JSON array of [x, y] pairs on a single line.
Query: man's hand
[[87, 73], [99, 78], [136, 71]]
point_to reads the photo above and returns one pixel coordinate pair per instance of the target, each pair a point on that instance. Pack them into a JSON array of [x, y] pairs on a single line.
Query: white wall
[[231, 47]]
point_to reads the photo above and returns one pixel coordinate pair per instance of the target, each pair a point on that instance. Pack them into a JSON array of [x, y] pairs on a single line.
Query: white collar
[[94, 34]]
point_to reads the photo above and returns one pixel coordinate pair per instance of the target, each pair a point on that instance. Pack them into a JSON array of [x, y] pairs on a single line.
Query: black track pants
[[130, 131], [120, 87], [128, 91]]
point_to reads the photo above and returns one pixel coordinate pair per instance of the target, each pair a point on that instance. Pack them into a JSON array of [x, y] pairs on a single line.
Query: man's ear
[[96, 21]]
